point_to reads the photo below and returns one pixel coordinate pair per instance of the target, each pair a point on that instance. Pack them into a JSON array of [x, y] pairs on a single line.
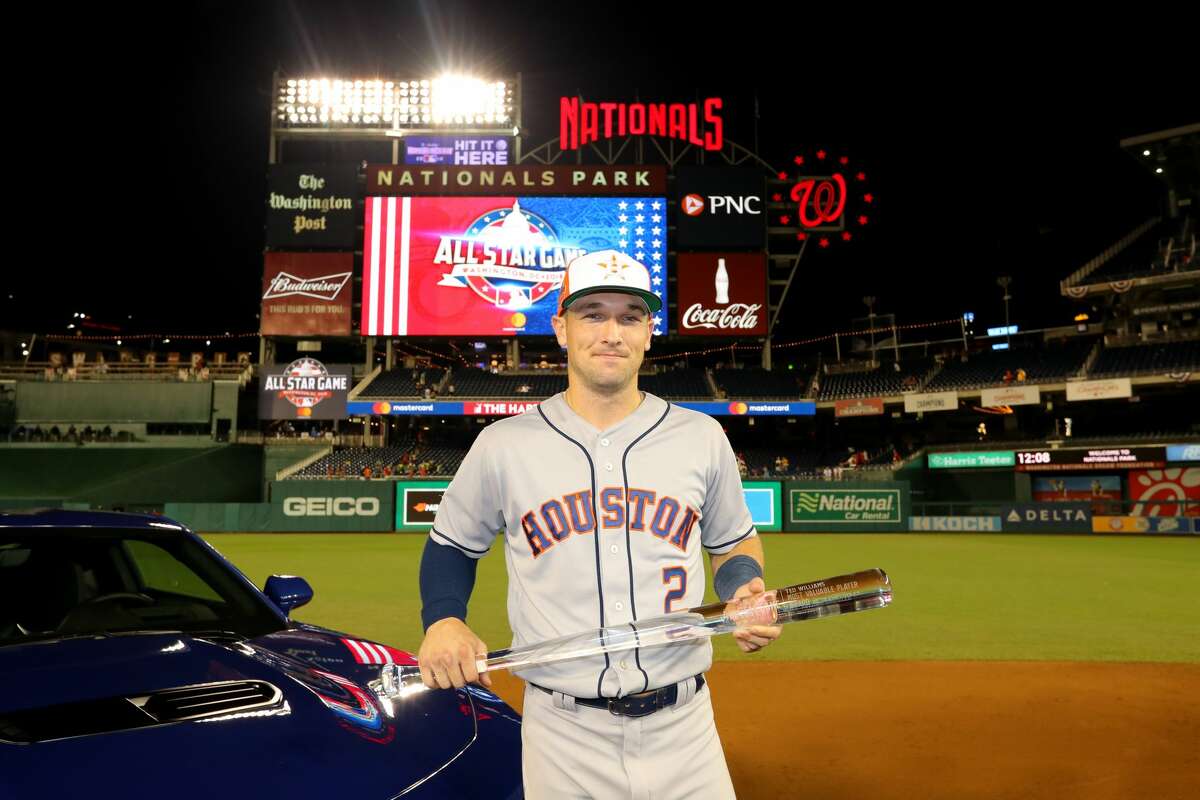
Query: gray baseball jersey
[[601, 528]]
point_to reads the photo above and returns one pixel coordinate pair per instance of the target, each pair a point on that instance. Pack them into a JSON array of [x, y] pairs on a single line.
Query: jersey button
[[604, 442], [608, 466], [612, 548], [624, 665], [618, 606]]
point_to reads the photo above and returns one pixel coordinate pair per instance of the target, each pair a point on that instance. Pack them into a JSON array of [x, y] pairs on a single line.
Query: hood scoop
[[128, 713]]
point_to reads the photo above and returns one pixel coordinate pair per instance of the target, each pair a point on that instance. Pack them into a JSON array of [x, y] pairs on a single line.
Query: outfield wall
[[130, 476]]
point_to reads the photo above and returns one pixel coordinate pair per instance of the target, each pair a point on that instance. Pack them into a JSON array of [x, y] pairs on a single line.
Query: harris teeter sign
[[967, 460]]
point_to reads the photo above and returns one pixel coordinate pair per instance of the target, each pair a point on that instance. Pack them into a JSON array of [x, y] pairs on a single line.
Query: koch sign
[[955, 524], [720, 207], [457, 150]]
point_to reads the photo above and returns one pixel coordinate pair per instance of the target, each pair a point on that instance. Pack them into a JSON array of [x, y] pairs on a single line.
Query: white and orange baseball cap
[[606, 271]]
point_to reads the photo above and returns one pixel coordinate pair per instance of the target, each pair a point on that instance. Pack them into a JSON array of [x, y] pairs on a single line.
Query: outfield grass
[[957, 596]]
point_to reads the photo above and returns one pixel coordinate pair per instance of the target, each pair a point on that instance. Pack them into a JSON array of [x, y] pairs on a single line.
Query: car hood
[[309, 724]]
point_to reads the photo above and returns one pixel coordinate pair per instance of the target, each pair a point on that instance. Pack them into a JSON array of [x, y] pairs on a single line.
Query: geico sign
[[331, 506], [693, 204]]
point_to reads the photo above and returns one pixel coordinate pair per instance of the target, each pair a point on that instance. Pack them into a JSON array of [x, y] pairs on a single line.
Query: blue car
[[135, 661]]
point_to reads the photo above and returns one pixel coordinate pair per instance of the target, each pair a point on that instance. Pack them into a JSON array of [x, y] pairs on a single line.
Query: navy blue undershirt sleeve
[[447, 579]]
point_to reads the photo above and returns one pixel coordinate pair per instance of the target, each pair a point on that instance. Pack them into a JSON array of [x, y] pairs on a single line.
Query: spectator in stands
[[1021, 375], [329, 471], [423, 470], [452, 388], [366, 472], [1008, 377], [387, 471]]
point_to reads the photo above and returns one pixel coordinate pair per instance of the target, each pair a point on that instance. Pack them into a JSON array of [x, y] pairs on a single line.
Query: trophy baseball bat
[[841, 594]]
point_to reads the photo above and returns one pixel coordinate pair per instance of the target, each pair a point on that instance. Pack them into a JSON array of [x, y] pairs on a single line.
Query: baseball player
[[606, 497]]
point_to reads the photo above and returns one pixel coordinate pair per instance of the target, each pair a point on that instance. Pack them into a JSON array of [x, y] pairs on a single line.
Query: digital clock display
[[1073, 459]]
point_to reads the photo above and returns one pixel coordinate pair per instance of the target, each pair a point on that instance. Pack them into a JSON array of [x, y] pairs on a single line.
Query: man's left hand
[[755, 637]]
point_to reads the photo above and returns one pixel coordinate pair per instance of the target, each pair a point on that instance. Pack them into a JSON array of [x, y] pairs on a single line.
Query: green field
[[985, 596]]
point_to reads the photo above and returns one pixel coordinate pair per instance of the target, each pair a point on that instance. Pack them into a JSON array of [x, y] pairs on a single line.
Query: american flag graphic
[[386, 272], [372, 653]]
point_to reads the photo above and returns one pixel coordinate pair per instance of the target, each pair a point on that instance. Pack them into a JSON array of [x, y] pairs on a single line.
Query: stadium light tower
[[869, 300], [1004, 281]]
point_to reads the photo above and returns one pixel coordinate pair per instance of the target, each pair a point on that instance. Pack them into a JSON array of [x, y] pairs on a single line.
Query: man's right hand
[[448, 654]]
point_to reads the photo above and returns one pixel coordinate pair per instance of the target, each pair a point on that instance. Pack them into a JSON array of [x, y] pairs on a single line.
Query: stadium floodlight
[[1145, 152], [1158, 171], [394, 106]]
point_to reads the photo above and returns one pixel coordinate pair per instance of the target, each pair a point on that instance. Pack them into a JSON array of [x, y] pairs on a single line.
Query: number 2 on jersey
[[670, 574]]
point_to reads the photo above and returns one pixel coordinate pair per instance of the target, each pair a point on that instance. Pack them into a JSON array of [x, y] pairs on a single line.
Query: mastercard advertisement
[[456, 266]]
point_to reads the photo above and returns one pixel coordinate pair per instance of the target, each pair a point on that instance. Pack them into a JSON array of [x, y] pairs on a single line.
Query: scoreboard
[[1098, 458]]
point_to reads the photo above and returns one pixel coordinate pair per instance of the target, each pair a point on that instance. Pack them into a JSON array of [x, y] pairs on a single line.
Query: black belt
[[633, 705]]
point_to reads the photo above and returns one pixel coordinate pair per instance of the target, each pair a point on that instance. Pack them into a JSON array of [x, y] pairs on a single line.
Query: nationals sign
[[493, 265], [722, 294], [306, 294]]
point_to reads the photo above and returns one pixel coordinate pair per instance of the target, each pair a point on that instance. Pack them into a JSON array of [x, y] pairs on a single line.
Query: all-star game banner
[[456, 266], [304, 389]]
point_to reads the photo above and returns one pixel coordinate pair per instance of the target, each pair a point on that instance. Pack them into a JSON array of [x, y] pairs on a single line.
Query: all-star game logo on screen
[[508, 257], [493, 265], [304, 388]]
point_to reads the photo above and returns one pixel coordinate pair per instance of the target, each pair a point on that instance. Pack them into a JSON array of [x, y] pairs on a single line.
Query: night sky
[[987, 157]]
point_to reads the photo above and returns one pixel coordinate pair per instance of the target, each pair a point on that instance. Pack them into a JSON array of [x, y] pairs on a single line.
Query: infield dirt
[[1035, 730]]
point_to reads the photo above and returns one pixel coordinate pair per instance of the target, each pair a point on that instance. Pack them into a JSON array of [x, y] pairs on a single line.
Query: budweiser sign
[[304, 294], [722, 294], [736, 316], [326, 287]]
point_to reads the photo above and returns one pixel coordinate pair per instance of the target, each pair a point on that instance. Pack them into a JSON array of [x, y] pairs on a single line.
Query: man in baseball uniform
[[606, 497]]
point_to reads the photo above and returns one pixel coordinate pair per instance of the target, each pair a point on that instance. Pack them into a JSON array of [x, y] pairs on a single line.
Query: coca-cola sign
[[722, 294], [736, 316], [306, 294]]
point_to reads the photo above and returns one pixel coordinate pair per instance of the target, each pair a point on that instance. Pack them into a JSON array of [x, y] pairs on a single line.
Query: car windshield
[[78, 582]]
